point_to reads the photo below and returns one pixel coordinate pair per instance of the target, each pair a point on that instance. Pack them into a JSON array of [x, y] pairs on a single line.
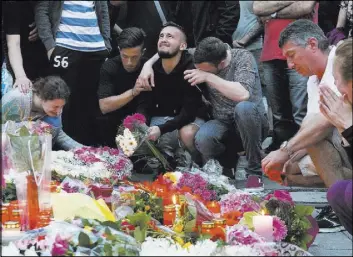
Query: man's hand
[[196, 76], [146, 76], [138, 88], [238, 44], [23, 83], [50, 52], [154, 133], [33, 34], [265, 19], [274, 161], [336, 109]]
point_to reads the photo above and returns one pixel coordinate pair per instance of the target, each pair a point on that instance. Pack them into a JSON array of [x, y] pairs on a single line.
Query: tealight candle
[[263, 225], [208, 228], [220, 227], [213, 207], [169, 215]]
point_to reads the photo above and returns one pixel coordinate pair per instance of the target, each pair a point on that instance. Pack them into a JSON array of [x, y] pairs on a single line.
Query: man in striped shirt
[[76, 36]]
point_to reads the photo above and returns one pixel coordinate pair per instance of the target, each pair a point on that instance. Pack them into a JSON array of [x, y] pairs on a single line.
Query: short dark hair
[[211, 50], [173, 24], [131, 37], [50, 88], [300, 31]]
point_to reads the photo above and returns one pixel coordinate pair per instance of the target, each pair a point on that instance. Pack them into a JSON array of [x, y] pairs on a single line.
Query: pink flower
[[281, 195], [60, 247], [241, 235], [131, 121], [279, 229]]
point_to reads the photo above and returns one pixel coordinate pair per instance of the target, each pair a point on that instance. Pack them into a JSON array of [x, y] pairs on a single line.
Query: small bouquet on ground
[[134, 135], [291, 223]]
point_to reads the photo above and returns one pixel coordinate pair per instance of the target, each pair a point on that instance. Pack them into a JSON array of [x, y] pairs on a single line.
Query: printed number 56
[[63, 62]]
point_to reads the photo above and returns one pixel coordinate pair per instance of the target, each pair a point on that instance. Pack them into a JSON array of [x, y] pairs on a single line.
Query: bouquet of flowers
[[101, 164], [28, 147], [291, 223], [135, 134]]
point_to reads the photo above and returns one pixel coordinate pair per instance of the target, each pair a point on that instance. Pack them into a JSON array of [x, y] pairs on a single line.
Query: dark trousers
[[81, 71], [287, 95], [339, 197]]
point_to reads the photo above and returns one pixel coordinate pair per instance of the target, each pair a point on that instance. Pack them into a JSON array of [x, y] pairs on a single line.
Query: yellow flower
[[171, 176], [178, 227], [187, 245], [147, 208], [179, 240], [88, 229]]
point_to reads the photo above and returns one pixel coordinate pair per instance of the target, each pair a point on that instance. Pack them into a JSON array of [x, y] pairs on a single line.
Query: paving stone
[[331, 244]]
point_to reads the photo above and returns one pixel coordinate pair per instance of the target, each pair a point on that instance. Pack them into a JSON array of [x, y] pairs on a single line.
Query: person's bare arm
[[342, 16], [230, 89], [315, 128], [117, 29], [265, 8], [296, 10], [113, 103], [16, 61], [146, 76]]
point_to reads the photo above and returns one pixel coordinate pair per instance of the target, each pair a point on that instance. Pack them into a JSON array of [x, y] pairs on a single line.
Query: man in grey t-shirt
[[234, 91]]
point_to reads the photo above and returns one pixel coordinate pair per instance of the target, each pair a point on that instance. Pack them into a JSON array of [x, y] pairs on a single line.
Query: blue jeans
[[287, 96], [248, 129]]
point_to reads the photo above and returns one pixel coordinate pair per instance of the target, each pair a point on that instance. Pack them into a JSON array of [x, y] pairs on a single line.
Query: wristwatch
[[274, 15], [284, 147]]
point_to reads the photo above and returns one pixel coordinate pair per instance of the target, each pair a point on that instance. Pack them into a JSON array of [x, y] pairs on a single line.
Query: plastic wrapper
[[70, 185]]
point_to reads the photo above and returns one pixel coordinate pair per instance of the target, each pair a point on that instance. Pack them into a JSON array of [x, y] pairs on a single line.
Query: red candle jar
[[208, 228], [220, 227], [213, 207], [15, 216], [169, 215], [5, 217]]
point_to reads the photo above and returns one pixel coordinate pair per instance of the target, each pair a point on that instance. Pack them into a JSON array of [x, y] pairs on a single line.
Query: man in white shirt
[[307, 51]]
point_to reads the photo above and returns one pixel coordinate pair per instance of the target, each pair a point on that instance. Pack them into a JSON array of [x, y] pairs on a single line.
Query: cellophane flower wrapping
[[28, 146]]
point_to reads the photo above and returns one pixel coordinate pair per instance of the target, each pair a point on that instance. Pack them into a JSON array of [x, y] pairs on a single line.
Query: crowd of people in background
[[213, 78]]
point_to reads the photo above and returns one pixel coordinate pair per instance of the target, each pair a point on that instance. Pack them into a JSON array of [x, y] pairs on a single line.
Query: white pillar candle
[[263, 225]]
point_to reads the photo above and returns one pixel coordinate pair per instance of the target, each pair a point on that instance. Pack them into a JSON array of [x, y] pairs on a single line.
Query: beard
[[167, 55]]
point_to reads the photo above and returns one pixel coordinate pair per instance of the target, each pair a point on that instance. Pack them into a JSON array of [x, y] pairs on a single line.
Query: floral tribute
[[135, 133], [101, 164]]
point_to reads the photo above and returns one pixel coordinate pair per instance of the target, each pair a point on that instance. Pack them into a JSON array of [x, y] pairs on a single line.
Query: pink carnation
[[281, 195], [279, 229], [131, 121]]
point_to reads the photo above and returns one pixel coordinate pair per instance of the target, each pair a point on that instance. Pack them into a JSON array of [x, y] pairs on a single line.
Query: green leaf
[[24, 132], [111, 224], [83, 240], [248, 219], [189, 226], [140, 219], [139, 234], [108, 250], [303, 210]]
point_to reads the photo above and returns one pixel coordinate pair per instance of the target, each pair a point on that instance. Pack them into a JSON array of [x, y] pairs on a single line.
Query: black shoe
[[328, 221]]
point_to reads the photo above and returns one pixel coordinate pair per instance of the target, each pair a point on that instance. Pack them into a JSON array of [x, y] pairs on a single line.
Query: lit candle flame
[[174, 199], [263, 212]]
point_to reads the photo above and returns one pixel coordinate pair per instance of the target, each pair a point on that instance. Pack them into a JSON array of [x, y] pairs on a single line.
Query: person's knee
[[187, 134], [205, 141], [245, 113]]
